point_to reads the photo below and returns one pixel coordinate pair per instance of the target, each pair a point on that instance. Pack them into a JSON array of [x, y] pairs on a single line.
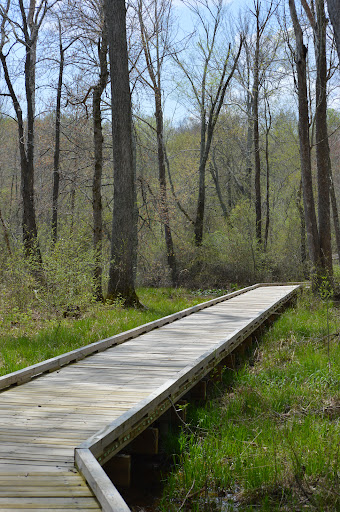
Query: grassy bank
[[32, 335], [270, 440]]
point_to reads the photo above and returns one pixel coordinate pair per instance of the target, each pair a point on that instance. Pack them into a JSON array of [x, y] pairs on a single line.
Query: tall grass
[[271, 440]]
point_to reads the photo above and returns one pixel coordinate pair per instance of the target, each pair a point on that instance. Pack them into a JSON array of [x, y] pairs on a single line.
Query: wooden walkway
[[79, 415]]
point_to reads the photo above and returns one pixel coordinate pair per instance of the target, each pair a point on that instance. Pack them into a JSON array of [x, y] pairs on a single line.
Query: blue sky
[[173, 108]]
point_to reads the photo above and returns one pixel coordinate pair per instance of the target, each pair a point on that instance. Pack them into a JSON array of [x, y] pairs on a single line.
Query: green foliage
[[271, 442], [68, 271], [66, 280], [229, 253], [17, 283]]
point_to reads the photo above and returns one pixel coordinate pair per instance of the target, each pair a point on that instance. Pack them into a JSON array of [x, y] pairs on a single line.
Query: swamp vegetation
[[268, 439]]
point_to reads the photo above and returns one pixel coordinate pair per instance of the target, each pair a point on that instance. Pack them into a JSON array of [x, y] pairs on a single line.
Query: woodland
[[155, 153], [166, 143]]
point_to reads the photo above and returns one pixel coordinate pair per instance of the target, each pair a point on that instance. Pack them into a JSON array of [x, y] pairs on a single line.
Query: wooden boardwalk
[[81, 414]]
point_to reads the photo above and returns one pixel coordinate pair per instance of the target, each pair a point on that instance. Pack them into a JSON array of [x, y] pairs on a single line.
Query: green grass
[[28, 337], [270, 441]]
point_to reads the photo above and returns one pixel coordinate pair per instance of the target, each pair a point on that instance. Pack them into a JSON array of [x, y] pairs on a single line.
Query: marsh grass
[[31, 335], [270, 440]]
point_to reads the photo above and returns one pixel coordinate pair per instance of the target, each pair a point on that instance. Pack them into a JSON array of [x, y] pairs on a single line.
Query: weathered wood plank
[[101, 485], [54, 363], [37, 491], [109, 396], [77, 503]]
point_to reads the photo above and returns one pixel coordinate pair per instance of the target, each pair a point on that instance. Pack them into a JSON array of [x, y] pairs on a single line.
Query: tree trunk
[[336, 222], [207, 132], [30, 232], [321, 136], [56, 174], [98, 168], [303, 250], [154, 67], [199, 219], [209, 117], [163, 188], [123, 243], [257, 161], [5, 234], [215, 176], [266, 232], [30, 27], [249, 145], [29, 227], [305, 156], [334, 14]]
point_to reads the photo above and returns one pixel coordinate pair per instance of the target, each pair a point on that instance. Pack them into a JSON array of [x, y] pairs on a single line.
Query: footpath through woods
[[62, 419]]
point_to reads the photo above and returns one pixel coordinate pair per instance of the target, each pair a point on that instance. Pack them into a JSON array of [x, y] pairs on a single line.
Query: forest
[[155, 154], [231, 132]]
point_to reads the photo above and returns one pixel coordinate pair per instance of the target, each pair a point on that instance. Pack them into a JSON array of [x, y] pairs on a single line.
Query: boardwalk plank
[[58, 503], [45, 419]]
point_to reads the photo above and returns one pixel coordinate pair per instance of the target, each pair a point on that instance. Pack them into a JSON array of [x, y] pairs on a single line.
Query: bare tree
[[300, 56], [154, 22], [209, 87], [334, 14], [259, 54], [317, 20], [268, 123], [256, 134], [63, 47], [98, 163], [86, 19], [23, 28], [124, 232], [257, 74], [318, 236]]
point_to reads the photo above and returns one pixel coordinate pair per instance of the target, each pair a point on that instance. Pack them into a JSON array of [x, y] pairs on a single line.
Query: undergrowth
[[270, 440]]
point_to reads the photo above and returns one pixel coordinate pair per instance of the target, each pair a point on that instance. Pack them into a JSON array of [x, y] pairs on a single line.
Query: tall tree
[[318, 236], [334, 14], [256, 132], [268, 122], [255, 69], [318, 23], [300, 56], [209, 86], [124, 232], [154, 23], [56, 157], [98, 164], [258, 74], [86, 19], [23, 27]]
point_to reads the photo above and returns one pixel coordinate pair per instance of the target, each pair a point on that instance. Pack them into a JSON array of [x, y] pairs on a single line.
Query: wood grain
[[86, 411]]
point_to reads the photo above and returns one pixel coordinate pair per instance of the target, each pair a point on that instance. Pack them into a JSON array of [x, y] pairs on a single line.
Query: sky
[[174, 108]]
